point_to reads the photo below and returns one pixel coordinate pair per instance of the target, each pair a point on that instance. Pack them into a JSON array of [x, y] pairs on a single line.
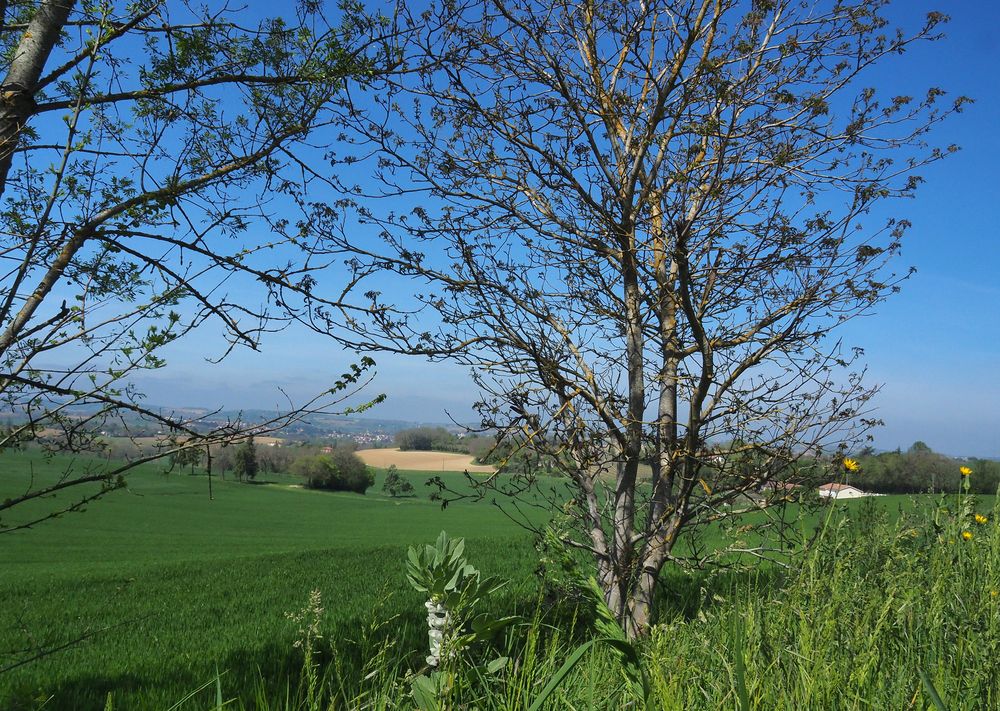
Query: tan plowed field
[[422, 461]]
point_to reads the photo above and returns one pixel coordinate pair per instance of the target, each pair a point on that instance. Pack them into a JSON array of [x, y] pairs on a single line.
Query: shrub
[[341, 470]]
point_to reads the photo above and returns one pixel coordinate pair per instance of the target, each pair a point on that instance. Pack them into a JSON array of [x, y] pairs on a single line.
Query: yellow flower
[[966, 535], [980, 519], [994, 593], [851, 465], [965, 471]]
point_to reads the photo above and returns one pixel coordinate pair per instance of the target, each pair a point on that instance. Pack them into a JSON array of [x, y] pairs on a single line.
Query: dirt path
[[422, 461]]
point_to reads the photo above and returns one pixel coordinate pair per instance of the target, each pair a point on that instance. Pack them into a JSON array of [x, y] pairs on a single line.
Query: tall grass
[[874, 605], [871, 606]]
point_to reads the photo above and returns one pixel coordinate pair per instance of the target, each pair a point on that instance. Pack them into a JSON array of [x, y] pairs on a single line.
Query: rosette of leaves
[[443, 572]]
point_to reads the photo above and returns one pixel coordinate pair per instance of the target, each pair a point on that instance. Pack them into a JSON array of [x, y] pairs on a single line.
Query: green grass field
[[168, 585], [157, 588]]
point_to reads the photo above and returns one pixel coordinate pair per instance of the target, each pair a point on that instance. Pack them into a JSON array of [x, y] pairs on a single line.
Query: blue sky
[[934, 347]]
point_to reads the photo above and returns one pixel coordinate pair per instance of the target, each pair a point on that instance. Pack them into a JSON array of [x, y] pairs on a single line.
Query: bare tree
[[641, 222], [150, 168]]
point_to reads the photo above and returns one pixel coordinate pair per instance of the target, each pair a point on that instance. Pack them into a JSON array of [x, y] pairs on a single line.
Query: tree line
[[920, 470], [332, 468]]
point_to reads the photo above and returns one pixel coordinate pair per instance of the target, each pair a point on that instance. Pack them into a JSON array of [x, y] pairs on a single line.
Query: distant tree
[[340, 470], [985, 477], [419, 439], [245, 464], [481, 447], [274, 459], [395, 485], [186, 457], [222, 460], [425, 439], [921, 470], [313, 468]]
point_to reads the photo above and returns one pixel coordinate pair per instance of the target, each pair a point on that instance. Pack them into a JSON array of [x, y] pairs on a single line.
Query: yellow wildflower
[[851, 465], [966, 535], [994, 593], [980, 519], [965, 471]]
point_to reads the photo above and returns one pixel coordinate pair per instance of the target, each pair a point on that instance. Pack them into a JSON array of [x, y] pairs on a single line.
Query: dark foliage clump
[[340, 470]]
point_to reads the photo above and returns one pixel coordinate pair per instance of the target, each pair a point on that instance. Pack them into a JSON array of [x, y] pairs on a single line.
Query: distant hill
[[314, 426]]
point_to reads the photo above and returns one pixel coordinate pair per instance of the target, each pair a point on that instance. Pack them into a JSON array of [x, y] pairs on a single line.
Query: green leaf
[[218, 690], [424, 693], [413, 555], [497, 664], [740, 668], [457, 551], [486, 626], [560, 675], [932, 692]]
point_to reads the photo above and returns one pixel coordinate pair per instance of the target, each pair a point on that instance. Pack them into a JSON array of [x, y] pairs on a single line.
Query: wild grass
[[873, 604]]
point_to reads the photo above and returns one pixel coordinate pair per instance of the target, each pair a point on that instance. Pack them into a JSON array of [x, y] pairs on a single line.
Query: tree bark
[[17, 93]]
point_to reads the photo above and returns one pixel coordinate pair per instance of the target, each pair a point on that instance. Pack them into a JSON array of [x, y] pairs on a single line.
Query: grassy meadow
[[158, 589], [166, 585]]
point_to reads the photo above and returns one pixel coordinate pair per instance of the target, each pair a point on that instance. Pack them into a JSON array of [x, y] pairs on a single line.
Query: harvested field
[[422, 461]]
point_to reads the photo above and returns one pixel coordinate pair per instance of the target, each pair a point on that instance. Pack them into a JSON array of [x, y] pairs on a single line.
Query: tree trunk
[[640, 606], [17, 93]]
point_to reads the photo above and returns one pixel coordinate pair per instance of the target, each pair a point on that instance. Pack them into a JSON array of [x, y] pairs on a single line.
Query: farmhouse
[[841, 491]]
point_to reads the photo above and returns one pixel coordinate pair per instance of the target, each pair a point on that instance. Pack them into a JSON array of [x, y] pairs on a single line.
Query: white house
[[841, 491]]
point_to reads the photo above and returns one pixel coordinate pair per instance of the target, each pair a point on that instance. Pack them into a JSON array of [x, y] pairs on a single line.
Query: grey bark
[[17, 93]]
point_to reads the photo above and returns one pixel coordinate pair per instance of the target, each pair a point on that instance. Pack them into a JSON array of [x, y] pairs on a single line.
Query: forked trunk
[[632, 610]]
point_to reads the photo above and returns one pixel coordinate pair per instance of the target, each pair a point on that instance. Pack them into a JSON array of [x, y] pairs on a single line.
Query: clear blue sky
[[935, 346]]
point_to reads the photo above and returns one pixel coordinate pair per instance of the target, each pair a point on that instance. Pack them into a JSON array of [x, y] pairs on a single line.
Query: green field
[[156, 588], [172, 585]]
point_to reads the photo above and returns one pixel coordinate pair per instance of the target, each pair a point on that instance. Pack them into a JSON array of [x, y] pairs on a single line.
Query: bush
[[341, 470]]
